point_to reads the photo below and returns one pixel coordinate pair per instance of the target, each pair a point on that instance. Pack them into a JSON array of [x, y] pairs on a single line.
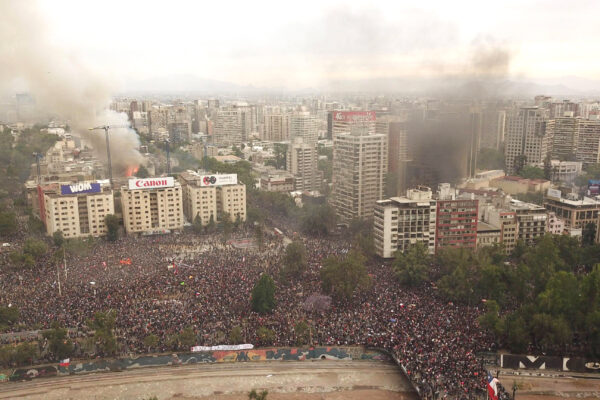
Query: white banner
[[150, 183], [218, 180], [221, 347]]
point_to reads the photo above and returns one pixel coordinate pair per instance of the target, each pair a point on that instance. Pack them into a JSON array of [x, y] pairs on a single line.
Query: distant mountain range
[[455, 86]]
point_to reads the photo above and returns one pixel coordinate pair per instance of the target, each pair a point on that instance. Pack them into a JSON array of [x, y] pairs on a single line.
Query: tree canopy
[[342, 277], [294, 260], [263, 295]]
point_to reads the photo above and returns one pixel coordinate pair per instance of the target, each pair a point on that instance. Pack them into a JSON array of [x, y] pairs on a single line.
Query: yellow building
[[78, 209], [152, 205]]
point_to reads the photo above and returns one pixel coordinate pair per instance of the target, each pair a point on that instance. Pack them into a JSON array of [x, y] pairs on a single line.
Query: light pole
[[106, 128], [514, 388]]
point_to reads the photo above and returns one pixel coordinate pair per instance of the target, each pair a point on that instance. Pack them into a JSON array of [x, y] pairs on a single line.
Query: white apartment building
[[400, 222], [302, 162], [276, 127], [210, 196], [304, 126], [343, 121], [77, 210], [359, 170], [526, 135], [152, 205], [588, 149]]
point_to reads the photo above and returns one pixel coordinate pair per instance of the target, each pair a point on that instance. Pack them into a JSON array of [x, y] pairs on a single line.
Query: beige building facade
[[152, 205]]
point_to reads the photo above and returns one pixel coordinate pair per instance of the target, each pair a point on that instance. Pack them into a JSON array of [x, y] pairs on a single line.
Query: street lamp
[[93, 286], [514, 388]]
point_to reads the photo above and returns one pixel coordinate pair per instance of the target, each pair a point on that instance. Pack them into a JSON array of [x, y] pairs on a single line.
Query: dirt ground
[[318, 380], [551, 386]]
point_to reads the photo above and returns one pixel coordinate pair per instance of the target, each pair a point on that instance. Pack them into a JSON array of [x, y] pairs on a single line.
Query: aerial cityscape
[[399, 201]]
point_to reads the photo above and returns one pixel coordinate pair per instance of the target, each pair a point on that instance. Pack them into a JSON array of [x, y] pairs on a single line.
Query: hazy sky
[[302, 43]]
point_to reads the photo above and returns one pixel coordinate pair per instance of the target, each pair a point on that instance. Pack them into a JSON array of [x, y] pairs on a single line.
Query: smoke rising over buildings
[[62, 86]]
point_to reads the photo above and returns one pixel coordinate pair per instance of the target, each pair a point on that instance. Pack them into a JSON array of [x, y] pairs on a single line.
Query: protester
[[162, 284]]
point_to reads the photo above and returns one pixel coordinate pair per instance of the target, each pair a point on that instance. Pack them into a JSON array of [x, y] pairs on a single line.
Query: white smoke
[[61, 84]]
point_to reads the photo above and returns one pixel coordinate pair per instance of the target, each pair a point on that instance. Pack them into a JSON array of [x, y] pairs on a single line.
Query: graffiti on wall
[[517, 361]]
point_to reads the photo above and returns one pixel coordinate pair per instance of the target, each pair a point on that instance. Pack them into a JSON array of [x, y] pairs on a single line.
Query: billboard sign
[[218, 180], [554, 193], [151, 183], [354, 116], [80, 187]]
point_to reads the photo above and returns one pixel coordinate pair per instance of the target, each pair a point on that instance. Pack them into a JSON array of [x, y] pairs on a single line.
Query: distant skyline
[[306, 44]]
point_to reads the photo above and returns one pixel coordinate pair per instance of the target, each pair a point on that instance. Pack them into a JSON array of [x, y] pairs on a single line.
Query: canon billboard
[[80, 187], [151, 183], [354, 116], [218, 180]]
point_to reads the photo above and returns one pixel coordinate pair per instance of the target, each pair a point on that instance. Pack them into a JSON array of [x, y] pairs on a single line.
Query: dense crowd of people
[[162, 284]]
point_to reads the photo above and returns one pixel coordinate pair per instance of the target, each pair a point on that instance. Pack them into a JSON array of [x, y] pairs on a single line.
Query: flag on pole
[[65, 363], [492, 386]]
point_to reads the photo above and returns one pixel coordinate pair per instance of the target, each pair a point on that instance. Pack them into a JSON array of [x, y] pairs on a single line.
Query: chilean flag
[[65, 363], [492, 386]]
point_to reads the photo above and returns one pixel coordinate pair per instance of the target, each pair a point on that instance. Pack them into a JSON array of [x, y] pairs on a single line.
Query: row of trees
[[546, 295]]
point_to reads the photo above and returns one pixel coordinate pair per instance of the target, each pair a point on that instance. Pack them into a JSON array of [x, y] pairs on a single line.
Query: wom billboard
[[218, 180], [354, 116], [151, 183], [80, 187]]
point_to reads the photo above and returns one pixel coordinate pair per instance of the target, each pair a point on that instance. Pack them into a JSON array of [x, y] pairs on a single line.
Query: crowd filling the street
[[160, 284]]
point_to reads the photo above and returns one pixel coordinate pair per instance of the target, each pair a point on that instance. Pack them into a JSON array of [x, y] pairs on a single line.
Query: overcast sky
[[305, 43]]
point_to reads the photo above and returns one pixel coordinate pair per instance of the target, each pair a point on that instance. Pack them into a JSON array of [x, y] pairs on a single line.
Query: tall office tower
[[213, 103], [557, 110], [475, 130], [179, 125], [359, 170], [228, 127], [492, 133], [302, 161], [565, 136], [304, 126], [396, 131], [276, 127], [344, 120], [588, 147], [527, 141], [157, 119]]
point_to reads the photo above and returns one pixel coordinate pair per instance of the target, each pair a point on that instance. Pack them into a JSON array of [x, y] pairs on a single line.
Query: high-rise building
[[565, 136], [398, 158], [210, 196], [77, 209], [228, 127], [456, 219], [305, 126], [152, 205], [588, 142], [527, 140], [576, 214], [276, 127], [401, 222], [359, 170], [302, 160], [343, 121]]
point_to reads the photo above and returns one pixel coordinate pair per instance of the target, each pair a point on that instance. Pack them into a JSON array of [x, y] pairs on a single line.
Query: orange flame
[[132, 170]]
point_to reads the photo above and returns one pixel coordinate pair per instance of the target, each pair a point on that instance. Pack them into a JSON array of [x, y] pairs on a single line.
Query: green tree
[[186, 338], [253, 395], [103, 324], [235, 335], [58, 238], [112, 227], [260, 236], [342, 277], [142, 172], [490, 159], [531, 172], [25, 354], [226, 225], [197, 224], [263, 295], [151, 341], [319, 220], [589, 234], [412, 267], [265, 335], [8, 317], [294, 260], [491, 320], [303, 332], [59, 343], [8, 223], [35, 248], [519, 163]]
